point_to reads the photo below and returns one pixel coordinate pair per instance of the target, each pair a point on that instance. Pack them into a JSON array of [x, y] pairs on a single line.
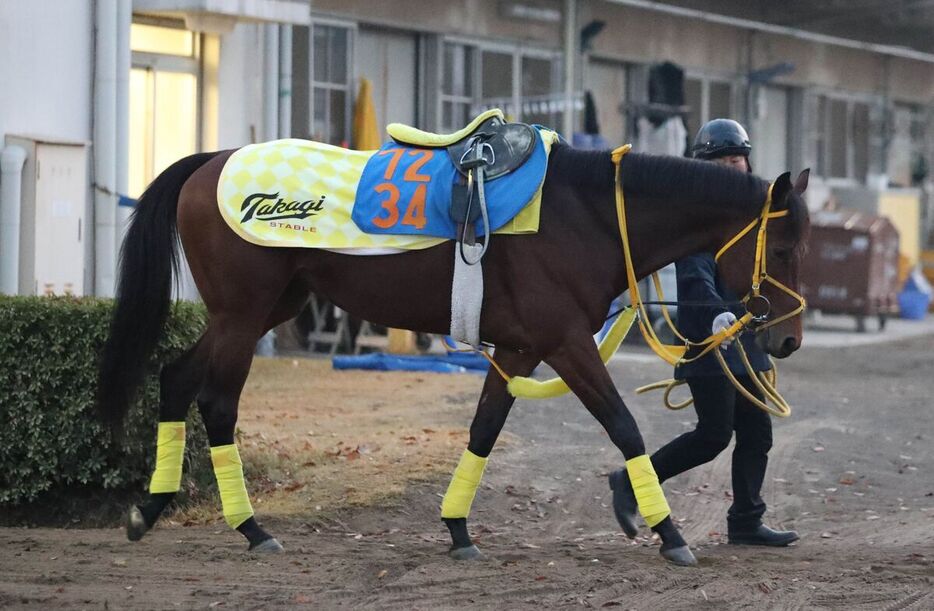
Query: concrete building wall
[[641, 36], [466, 18], [911, 81], [46, 68], [820, 64], [644, 36]]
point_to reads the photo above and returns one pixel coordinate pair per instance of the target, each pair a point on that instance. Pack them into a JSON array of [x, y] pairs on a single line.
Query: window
[[720, 105], [707, 100], [163, 112], [496, 82], [841, 143], [909, 159], [457, 86], [524, 84], [542, 100], [331, 91]]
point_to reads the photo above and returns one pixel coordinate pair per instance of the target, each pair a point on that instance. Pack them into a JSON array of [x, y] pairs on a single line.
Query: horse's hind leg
[[235, 336], [179, 383], [228, 367], [492, 410], [579, 365]]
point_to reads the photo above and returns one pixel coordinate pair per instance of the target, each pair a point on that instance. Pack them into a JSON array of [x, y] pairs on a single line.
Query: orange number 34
[[390, 205], [415, 212]]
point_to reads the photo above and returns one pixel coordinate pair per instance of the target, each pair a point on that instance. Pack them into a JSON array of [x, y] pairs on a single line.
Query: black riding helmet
[[720, 138]]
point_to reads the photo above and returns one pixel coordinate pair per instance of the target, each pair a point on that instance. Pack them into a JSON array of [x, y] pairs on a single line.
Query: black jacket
[[697, 281]]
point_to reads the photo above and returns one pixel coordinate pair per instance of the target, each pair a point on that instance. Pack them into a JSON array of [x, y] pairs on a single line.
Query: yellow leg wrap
[[652, 504], [229, 472], [463, 486], [170, 450]]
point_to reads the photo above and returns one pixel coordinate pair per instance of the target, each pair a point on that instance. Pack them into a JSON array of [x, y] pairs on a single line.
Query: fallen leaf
[[382, 573]]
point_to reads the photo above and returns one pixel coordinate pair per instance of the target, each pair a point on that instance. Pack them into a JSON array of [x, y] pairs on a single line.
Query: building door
[[769, 132], [388, 59], [163, 101], [606, 81]]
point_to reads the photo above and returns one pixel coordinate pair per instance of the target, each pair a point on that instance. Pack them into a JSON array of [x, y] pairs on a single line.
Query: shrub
[[51, 436]]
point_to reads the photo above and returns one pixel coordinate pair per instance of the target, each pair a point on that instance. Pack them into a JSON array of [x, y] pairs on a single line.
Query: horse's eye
[[782, 254]]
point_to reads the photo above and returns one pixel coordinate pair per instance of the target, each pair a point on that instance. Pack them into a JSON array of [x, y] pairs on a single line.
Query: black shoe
[[762, 535], [624, 502]]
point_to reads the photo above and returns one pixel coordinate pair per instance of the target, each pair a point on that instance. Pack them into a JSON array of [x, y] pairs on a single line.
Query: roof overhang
[[221, 15]]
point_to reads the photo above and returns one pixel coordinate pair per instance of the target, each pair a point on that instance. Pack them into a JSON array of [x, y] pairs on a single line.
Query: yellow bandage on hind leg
[[228, 469], [652, 504], [463, 486], [170, 450]]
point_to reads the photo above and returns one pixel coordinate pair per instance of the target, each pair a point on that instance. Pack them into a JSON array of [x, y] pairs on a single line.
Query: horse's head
[[763, 266]]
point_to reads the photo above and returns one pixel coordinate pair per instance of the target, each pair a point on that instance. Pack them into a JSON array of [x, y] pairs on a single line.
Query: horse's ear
[[801, 182], [781, 189]]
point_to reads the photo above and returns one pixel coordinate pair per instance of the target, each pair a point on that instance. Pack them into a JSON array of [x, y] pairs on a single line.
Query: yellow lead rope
[[524, 387], [674, 355]]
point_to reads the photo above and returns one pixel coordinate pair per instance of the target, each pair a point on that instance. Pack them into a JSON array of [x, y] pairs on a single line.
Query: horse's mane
[[670, 178]]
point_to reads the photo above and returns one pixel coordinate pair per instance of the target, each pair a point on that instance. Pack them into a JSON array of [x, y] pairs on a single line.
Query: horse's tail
[[148, 257]]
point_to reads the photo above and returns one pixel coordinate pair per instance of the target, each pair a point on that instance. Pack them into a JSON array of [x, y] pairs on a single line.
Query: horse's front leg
[[579, 365], [492, 411]]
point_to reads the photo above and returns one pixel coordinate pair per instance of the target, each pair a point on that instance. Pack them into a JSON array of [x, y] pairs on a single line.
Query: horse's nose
[[789, 345]]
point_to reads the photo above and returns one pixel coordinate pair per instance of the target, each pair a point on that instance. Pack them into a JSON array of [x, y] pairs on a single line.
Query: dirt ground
[[849, 470]]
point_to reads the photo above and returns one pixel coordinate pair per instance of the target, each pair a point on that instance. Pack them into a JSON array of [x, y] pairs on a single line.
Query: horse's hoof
[[682, 556], [466, 553], [269, 546], [135, 524]]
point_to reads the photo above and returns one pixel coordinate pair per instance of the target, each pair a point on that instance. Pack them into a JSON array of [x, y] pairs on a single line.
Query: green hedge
[[51, 437]]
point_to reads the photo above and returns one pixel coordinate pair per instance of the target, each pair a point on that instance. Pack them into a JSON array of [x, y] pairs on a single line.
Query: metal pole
[[570, 58], [270, 81], [122, 154], [285, 81], [11, 168], [105, 110]]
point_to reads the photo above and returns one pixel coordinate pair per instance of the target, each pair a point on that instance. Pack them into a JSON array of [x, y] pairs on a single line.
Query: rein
[[525, 387], [675, 355]]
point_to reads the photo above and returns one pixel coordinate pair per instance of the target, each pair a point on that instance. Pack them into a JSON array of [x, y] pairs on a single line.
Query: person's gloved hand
[[721, 322]]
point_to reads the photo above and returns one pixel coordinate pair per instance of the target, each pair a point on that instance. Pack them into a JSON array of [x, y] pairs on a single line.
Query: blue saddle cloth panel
[[377, 209]]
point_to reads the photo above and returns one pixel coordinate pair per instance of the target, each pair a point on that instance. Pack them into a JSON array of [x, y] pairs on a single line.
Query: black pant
[[721, 409]]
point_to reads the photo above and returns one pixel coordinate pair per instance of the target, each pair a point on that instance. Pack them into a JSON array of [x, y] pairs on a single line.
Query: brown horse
[[545, 295]]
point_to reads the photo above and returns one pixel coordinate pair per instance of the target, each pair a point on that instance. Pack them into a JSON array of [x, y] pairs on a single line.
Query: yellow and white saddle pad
[[300, 193]]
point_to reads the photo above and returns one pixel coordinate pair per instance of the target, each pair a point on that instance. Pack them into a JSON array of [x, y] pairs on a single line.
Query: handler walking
[[721, 409]]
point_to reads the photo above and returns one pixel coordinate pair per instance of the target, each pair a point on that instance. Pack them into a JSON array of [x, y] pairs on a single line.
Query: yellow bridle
[[675, 354]]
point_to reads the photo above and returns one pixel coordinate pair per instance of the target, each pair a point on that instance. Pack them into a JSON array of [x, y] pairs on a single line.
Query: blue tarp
[[459, 362]]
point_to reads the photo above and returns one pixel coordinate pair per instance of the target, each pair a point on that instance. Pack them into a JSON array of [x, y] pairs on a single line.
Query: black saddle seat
[[505, 147]]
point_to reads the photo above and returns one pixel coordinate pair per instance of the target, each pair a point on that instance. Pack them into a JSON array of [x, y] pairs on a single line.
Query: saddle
[[486, 149], [506, 146]]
